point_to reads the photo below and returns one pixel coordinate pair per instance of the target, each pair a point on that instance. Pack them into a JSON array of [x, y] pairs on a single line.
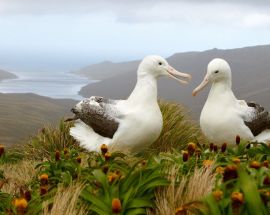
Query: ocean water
[[53, 84]]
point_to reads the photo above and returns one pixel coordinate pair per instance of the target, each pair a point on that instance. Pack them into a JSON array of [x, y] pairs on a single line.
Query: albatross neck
[[221, 91], [145, 91]]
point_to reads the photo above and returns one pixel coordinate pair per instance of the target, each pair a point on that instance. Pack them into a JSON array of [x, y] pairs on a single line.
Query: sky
[[70, 34]]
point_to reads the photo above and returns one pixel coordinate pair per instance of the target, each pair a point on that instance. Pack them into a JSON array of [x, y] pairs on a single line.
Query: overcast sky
[[73, 33]]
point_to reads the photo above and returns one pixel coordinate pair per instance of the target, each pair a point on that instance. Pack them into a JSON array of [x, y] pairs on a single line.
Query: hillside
[[106, 70], [23, 114], [6, 75], [250, 67]]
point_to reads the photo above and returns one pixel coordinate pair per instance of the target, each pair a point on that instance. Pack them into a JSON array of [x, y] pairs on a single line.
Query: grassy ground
[[180, 174]]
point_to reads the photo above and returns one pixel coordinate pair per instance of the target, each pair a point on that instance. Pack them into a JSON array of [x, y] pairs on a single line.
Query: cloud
[[88, 6], [127, 29], [246, 13]]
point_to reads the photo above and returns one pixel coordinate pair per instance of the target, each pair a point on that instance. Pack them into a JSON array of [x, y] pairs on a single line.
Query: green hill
[[23, 114]]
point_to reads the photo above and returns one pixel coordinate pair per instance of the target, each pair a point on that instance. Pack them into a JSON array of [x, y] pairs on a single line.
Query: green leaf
[[102, 178], [212, 204], [97, 202], [139, 203], [251, 193], [136, 211]]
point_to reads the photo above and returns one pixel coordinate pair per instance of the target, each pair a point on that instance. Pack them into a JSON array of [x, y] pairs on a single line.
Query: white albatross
[[125, 125], [223, 116]]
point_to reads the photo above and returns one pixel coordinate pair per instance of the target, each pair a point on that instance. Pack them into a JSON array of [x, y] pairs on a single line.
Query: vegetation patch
[[51, 174]]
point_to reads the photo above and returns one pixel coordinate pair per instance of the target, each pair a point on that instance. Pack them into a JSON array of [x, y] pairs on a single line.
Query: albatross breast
[[222, 123], [141, 127]]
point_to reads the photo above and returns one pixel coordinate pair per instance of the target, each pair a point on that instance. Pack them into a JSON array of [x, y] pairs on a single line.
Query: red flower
[[116, 205]]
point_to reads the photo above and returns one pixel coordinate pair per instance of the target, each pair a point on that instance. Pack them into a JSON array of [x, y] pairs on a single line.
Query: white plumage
[[125, 125], [223, 116]]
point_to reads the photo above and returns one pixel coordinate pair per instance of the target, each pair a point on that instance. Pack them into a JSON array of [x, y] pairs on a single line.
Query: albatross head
[[157, 66], [218, 70]]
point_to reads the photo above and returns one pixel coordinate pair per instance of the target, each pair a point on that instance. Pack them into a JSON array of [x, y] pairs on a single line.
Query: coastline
[[55, 85]]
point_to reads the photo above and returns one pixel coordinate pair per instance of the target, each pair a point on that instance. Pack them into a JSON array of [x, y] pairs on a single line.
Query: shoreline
[[59, 85]]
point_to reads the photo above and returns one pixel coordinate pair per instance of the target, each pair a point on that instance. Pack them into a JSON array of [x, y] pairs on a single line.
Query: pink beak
[[173, 73], [201, 86]]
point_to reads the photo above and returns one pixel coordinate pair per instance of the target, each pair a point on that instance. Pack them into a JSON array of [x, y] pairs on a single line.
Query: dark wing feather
[[100, 114], [260, 119]]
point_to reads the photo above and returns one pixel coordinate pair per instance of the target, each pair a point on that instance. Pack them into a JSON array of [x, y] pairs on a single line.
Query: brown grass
[[48, 140], [189, 190], [65, 202], [18, 175]]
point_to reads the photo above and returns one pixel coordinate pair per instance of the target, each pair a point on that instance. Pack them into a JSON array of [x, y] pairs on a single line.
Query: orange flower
[[236, 160], [44, 179], [255, 165], [104, 149], [116, 205], [20, 205], [237, 198], [112, 177], [220, 170], [208, 163], [218, 194], [107, 156], [191, 148], [180, 211]]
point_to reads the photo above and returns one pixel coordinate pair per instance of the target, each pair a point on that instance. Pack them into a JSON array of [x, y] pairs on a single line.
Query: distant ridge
[[103, 70], [7, 75], [250, 67]]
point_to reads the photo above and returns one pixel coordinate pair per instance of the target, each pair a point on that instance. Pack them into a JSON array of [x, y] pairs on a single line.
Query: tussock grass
[[65, 201], [79, 182], [178, 129], [183, 191], [48, 140], [17, 175]]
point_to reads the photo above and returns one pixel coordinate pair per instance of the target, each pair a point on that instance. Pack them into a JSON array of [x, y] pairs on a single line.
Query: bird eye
[[160, 63], [216, 71]]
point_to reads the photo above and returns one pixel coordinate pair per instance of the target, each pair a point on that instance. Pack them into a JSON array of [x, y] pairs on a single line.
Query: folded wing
[[99, 113], [258, 118]]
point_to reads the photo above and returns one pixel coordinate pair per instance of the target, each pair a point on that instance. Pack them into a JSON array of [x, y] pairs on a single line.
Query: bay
[[51, 84]]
